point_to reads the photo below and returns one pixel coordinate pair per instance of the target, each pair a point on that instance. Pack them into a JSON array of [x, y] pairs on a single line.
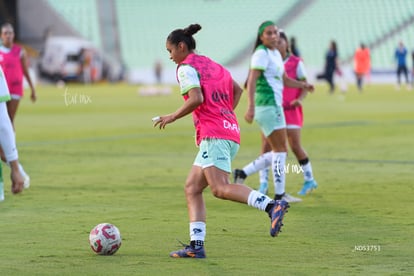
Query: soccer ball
[[105, 239]]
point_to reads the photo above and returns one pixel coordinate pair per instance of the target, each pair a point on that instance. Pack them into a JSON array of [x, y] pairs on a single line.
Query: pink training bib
[[215, 117], [12, 68]]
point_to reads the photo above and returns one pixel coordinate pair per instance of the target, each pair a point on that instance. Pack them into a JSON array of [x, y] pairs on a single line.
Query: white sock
[[278, 170], [197, 231], [258, 200], [307, 171], [261, 162], [264, 176]]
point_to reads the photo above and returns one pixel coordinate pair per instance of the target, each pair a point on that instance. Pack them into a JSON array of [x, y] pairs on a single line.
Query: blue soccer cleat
[[308, 187], [276, 215], [189, 252]]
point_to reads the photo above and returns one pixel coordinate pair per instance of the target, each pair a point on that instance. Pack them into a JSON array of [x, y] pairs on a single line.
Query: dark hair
[[260, 32], [334, 47], [283, 36], [293, 47], [184, 35]]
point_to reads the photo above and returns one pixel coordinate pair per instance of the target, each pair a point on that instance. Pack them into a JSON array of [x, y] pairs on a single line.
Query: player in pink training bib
[[14, 61], [210, 94]]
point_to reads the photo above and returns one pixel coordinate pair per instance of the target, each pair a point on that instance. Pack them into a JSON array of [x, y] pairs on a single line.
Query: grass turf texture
[[93, 156]]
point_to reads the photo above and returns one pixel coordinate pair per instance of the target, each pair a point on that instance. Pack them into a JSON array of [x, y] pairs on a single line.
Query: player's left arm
[[24, 62]]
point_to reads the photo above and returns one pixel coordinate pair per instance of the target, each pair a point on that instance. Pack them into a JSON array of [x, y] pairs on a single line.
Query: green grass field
[[93, 156]]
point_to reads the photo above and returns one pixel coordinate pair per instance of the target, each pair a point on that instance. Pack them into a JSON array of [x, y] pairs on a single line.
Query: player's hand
[[162, 121], [308, 87], [296, 102], [17, 181], [249, 115], [33, 96]]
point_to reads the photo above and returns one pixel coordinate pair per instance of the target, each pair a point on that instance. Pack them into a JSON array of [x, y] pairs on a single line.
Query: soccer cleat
[[239, 176], [308, 187], [276, 216], [290, 199], [263, 188], [189, 252]]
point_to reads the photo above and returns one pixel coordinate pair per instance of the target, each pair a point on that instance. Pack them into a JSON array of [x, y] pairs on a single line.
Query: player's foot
[[263, 188], [189, 252], [308, 187], [276, 216], [239, 176], [26, 183], [290, 199]]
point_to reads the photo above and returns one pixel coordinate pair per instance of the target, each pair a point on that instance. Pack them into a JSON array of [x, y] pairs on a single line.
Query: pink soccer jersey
[[11, 64], [293, 114], [215, 117]]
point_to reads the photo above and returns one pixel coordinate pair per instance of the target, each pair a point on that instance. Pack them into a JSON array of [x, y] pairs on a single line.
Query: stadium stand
[[350, 23], [82, 15], [229, 27]]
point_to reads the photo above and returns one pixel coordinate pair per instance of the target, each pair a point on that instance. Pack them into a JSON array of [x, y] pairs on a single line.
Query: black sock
[[269, 206], [197, 244], [242, 174], [303, 161], [279, 197]]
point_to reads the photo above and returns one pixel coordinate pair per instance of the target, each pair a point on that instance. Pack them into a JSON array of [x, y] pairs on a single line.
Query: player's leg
[[294, 138], [12, 107], [264, 173], [399, 71], [194, 186], [221, 188], [219, 154]]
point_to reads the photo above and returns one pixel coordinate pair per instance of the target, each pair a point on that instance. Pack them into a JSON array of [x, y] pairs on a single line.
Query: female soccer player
[[265, 83], [210, 94], [331, 65], [292, 107], [14, 61]]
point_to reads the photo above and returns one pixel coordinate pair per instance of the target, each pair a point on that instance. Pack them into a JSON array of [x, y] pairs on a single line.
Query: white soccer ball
[[105, 239]]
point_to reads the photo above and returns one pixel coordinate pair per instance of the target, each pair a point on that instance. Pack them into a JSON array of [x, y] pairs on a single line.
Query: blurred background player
[[401, 59], [210, 94], [292, 107], [266, 80], [362, 64], [8, 142], [331, 65], [13, 61]]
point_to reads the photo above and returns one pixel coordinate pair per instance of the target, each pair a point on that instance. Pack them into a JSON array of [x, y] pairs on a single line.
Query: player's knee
[[219, 191], [191, 189]]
